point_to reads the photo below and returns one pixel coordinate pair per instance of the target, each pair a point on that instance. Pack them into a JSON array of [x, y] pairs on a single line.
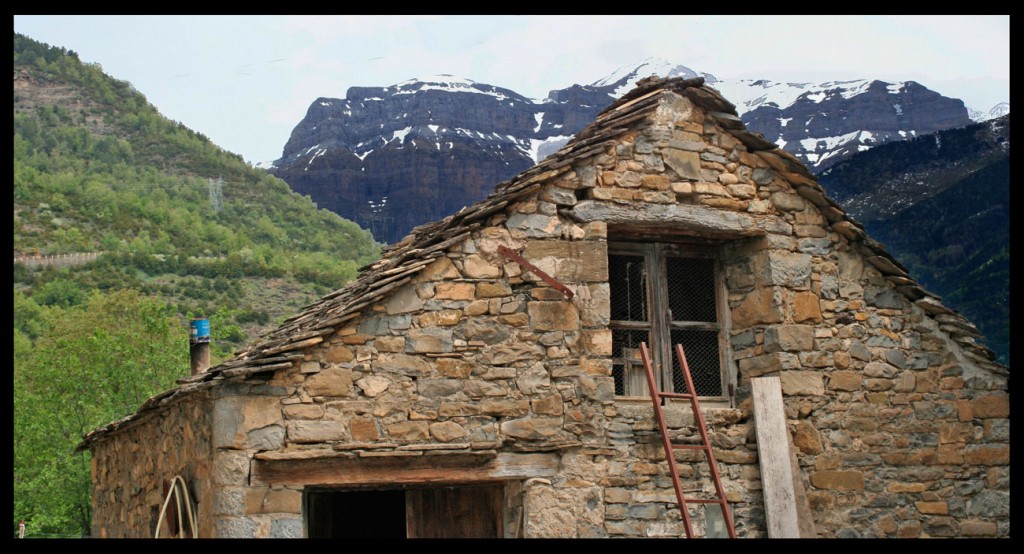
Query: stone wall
[[898, 434], [129, 472]]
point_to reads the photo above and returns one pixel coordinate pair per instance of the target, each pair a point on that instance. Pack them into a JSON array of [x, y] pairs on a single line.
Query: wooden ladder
[[705, 445]]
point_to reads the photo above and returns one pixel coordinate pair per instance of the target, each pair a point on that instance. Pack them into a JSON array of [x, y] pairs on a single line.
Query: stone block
[[236, 416], [389, 344], [802, 383], [441, 318], [685, 163], [841, 480], [286, 528], [235, 528], [807, 438], [270, 501], [503, 354], [454, 291], [884, 297], [533, 379], [447, 431], [989, 455], [596, 342], [532, 428], [316, 431], [266, 438], [514, 320], [334, 381], [569, 261], [428, 340], [978, 528], [493, 289], [407, 431], [557, 195], [785, 269], [475, 266], [303, 411], [373, 385], [989, 504], [551, 316], [454, 367], [404, 300], [932, 508], [991, 406], [442, 269], [437, 388], [806, 307], [767, 363], [339, 354], [363, 429], [532, 225], [404, 364], [786, 201], [549, 405], [760, 306], [789, 338], [503, 407]]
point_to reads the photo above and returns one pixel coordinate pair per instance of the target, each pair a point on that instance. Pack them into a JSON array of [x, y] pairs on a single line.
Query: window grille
[[664, 296]]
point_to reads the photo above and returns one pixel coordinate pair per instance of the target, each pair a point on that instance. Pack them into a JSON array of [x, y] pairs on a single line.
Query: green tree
[[96, 363]]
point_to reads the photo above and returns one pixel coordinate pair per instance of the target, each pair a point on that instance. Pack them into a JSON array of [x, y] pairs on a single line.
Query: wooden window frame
[[660, 326]]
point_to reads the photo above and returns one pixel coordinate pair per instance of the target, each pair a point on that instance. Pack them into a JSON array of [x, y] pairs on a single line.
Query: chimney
[[199, 345]]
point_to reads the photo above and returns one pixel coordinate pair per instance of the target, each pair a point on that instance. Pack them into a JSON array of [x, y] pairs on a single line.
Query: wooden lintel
[[447, 468]]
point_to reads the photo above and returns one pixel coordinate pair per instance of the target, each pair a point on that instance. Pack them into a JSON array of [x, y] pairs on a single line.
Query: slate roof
[[402, 261]]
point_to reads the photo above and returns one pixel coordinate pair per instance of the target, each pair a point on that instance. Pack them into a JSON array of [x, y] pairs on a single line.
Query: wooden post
[[774, 458], [199, 345]]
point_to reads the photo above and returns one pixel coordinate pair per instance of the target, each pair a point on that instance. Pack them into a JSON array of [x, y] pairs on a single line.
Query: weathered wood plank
[[773, 457], [805, 519], [446, 468]]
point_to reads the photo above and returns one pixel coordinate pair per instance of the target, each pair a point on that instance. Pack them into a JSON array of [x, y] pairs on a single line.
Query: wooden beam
[[405, 467], [774, 458]]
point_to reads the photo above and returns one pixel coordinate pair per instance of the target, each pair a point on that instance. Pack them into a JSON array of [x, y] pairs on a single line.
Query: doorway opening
[[436, 512]]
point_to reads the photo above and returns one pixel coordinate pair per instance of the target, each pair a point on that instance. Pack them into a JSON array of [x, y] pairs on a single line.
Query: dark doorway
[[434, 512], [356, 514]]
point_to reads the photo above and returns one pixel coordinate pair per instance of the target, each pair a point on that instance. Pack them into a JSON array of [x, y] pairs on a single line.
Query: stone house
[[451, 391]]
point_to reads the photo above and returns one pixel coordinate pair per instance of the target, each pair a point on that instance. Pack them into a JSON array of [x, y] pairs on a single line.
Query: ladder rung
[[675, 395], [704, 501], [690, 446]]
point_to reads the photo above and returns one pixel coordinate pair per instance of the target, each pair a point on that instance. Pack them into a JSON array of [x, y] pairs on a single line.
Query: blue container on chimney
[[199, 331]]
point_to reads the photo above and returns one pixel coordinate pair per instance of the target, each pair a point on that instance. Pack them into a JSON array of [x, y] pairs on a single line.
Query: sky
[[247, 81]]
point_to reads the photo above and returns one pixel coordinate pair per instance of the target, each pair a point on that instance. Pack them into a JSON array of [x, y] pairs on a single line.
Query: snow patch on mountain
[[750, 94], [629, 74], [999, 110], [448, 83]]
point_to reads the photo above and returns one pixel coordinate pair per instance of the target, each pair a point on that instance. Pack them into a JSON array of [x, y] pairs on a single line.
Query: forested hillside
[[176, 228], [941, 204]]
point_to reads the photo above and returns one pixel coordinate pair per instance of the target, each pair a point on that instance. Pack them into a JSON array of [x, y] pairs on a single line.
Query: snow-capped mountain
[[824, 123], [999, 110], [625, 78], [432, 145]]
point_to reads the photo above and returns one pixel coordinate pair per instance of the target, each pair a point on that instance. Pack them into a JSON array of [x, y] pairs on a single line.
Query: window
[[666, 294]]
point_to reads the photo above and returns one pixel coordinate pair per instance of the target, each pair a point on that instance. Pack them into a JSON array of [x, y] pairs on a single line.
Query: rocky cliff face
[[391, 158]]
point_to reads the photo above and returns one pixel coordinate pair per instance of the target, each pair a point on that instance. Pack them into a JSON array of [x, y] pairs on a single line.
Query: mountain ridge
[[403, 141]]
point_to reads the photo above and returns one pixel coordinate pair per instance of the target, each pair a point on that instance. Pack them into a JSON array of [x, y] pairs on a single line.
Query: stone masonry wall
[[129, 473], [897, 434]]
